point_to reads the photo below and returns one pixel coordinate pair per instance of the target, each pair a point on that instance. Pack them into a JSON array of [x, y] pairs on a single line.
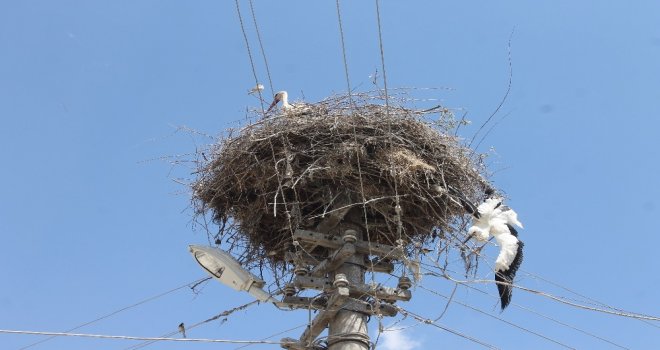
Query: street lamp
[[223, 267]]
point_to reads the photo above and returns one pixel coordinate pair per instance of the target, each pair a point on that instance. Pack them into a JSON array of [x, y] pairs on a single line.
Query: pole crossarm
[[335, 242], [356, 290], [376, 265], [295, 302]]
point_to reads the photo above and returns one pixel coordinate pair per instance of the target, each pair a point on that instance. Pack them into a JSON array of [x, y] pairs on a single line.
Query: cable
[[594, 301], [560, 299], [435, 324], [222, 314], [127, 337], [274, 335], [508, 90], [194, 283], [343, 50], [247, 45], [263, 53], [382, 59], [499, 319], [549, 318]]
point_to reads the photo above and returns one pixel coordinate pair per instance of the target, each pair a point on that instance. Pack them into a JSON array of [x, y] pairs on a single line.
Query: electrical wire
[[194, 283], [506, 94], [127, 337], [499, 319], [261, 46], [561, 299], [343, 50], [247, 45], [549, 318], [382, 59], [274, 335], [435, 324], [222, 314]]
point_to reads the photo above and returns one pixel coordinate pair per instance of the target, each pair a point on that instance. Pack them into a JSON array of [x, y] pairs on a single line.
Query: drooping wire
[[343, 50], [169, 334], [261, 46], [499, 319], [247, 46], [144, 301], [506, 94]]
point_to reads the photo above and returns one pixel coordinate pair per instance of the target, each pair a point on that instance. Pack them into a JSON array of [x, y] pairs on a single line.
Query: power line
[[508, 90], [549, 318], [592, 300], [247, 45], [263, 52], [343, 50], [560, 299], [274, 335], [127, 337], [499, 319], [222, 314], [435, 324], [194, 283], [382, 59]]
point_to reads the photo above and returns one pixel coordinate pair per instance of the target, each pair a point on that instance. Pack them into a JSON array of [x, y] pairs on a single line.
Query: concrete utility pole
[[341, 275], [348, 330]]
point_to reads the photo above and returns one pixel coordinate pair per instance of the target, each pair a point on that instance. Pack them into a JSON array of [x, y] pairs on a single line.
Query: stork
[[498, 221], [296, 108]]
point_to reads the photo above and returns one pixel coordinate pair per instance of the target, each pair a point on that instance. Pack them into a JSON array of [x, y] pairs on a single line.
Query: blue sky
[[92, 94]]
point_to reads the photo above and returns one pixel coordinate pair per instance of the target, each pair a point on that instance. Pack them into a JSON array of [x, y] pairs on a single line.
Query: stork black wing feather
[[506, 277], [504, 288]]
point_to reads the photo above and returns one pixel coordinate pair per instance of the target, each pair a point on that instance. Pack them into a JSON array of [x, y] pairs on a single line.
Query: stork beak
[[275, 101]]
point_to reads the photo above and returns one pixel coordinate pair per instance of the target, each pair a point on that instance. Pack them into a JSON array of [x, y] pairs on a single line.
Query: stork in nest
[[287, 108]]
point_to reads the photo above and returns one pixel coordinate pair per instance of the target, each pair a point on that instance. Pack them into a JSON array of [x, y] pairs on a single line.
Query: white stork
[[296, 108], [494, 219]]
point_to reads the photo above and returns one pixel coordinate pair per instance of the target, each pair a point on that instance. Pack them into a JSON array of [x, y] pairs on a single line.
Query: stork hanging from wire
[[492, 218], [287, 108]]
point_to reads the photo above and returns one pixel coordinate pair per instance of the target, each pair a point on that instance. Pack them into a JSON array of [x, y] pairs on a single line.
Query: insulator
[[340, 280], [349, 236], [300, 270], [404, 283], [289, 290]]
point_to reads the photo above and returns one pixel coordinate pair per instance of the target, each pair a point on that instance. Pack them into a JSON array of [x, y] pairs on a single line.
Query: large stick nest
[[293, 170]]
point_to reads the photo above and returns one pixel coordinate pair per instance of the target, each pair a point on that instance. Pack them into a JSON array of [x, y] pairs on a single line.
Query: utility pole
[[341, 275], [348, 330]]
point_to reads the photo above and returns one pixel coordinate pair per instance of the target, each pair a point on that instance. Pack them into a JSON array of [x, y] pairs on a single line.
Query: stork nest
[[401, 168]]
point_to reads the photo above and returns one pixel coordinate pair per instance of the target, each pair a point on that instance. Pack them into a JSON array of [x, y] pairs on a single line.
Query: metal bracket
[[356, 290], [306, 259], [352, 304], [335, 242]]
